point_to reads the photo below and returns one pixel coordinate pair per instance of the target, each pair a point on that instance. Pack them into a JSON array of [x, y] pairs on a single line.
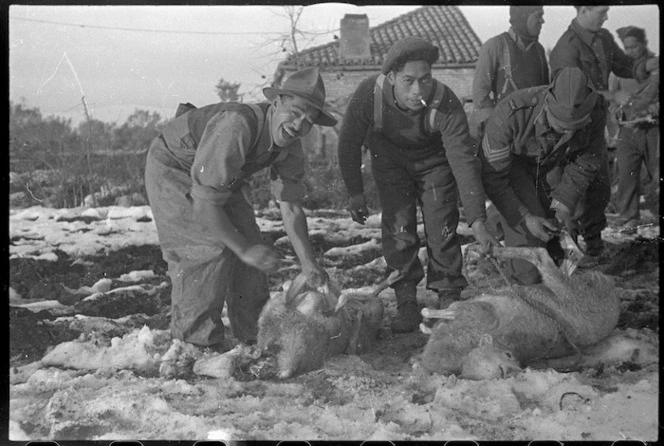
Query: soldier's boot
[[594, 245], [408, 318], [447, 296]]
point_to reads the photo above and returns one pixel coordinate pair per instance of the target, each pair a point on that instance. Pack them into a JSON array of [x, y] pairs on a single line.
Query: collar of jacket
[[519, 41], [586, 36]]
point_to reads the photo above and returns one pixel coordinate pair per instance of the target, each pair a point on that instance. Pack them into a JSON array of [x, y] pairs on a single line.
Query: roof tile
[[444, 26]]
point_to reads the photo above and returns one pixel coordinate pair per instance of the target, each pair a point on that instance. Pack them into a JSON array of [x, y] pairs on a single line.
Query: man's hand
[[316, 275], [652, 64], [262, 257], [358, 209], [484, 237], [564, 216], [540, 227]]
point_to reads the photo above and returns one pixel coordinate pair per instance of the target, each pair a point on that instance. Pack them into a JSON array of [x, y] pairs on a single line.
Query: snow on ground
[[123, 377]]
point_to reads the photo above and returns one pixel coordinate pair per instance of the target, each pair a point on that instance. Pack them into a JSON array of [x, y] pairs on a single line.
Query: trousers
[[406, 178], [635, 148]]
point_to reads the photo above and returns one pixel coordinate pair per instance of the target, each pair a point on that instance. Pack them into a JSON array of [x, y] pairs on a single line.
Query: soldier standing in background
[[510, 61], [638, 139], [590, 47]]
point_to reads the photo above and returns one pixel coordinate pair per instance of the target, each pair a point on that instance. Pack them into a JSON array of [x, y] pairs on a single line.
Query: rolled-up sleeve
[[219, 156], [287, 176]]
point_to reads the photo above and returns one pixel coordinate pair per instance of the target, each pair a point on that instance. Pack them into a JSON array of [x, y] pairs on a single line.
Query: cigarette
[[423, 102]]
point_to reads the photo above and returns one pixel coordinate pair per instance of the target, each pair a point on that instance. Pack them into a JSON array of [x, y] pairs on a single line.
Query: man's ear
[[390, 77]]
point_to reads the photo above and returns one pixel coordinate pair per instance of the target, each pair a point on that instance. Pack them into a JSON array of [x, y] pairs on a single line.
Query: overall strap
[[507, 66], [378, 102], [432, 112], [429, 116], [253, 164], [260, 117]]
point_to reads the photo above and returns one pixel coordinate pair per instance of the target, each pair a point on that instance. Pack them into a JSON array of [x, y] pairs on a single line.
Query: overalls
[[204, 273]]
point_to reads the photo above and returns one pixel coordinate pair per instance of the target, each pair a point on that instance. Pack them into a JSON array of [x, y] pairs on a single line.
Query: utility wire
[[50, 22]]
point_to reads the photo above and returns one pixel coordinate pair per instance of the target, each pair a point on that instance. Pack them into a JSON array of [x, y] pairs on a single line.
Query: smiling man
[[195, 177], [421, 150]]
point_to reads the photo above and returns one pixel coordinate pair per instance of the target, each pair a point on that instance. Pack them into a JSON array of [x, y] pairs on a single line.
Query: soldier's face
[[534, 23], [412, 84], [593, 17], [292, 119], [633, 47]]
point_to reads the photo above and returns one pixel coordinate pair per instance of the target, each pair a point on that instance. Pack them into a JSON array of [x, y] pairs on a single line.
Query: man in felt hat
[[421, 153], [636, 112], [510, 61], [196, 179], [531, 133]]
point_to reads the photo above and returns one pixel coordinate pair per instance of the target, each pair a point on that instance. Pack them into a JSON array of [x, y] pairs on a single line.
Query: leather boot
[[409, 317], [594, 246], [447, 296]]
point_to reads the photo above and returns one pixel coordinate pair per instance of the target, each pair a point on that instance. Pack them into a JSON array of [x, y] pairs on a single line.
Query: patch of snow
[[137, 276]]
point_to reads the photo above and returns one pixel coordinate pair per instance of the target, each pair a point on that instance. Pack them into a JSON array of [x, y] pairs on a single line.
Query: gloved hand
[[563, 216], [358, 209]]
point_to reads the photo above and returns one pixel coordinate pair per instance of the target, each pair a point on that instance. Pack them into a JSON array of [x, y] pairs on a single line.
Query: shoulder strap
[[507, 66], [432, 109], [260, 118], [378, 102], [251, 166], [430, 114]]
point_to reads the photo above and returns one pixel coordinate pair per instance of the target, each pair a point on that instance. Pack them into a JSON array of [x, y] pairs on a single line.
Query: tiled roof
[[444, 26]]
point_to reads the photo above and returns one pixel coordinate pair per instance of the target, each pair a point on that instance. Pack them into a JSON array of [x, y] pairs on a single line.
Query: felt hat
[[407, 47], [570, 99], [308, 85]]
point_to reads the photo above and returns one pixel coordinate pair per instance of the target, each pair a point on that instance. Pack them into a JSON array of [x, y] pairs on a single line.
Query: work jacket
[[518, 128]]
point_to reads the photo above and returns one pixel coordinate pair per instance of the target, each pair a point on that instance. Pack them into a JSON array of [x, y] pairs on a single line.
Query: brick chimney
[[355, 37]]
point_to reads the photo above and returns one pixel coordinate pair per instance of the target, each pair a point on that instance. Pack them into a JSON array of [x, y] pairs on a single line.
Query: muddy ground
[[634, 263]]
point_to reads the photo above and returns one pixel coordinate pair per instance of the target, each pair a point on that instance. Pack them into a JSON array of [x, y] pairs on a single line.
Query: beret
[[632, 31], [407, 48], [571, 98]]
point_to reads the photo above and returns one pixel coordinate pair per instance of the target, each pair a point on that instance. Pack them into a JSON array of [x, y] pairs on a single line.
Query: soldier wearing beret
[[196, 178], [531, 133], [421, 153]]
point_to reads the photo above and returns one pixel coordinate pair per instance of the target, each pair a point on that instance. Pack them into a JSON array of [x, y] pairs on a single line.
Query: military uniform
[[521, 156], [597, 54], [506, 63]]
